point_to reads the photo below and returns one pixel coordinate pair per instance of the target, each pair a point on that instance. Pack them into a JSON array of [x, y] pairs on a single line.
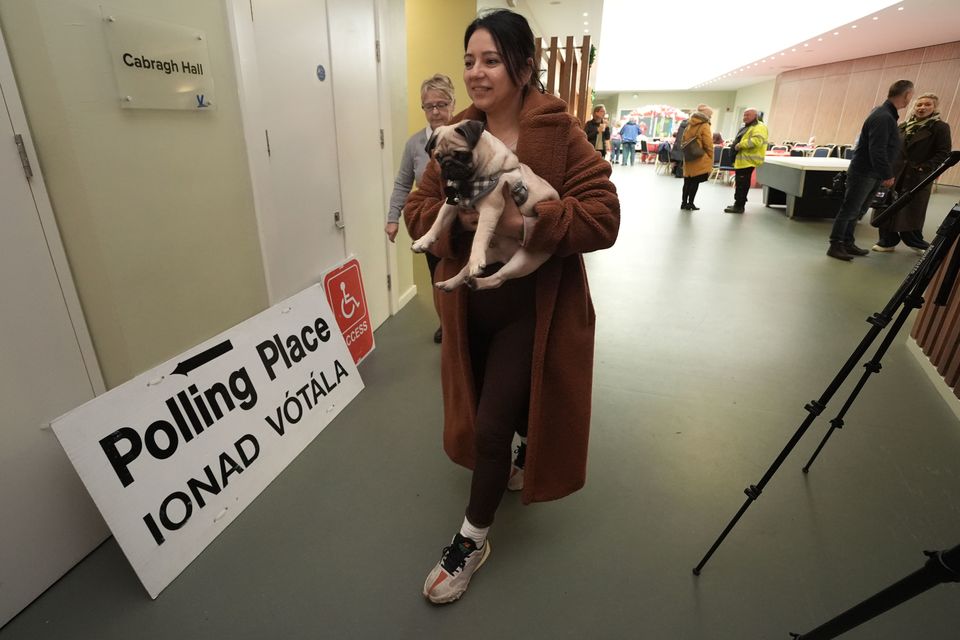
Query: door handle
[[338, 220]]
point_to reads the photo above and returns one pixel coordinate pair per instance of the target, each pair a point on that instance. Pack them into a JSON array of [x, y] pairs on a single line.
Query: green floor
[[713, 331]]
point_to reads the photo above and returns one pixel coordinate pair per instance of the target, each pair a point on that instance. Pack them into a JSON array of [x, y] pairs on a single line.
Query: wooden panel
[[843, 67], [868, 64], [940, 78], [808, 73], [953, 119], [801, 127], [790, 76], [781, 112], [904, 58], [828, 112], [892, 74], [861, 98], [948, 51]]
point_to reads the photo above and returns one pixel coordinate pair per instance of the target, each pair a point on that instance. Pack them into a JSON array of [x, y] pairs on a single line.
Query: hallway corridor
[[713, 332]]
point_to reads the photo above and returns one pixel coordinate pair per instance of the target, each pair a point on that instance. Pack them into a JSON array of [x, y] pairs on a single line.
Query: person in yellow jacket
[[751, 147]]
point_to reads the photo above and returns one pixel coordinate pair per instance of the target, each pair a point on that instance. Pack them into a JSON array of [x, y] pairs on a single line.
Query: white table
[[796, 182]]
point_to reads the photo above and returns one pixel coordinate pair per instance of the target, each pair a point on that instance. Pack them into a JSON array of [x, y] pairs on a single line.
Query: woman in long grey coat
[[926, 144]]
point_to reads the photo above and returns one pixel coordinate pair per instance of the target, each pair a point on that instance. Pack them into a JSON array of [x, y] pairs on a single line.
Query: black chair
[[726, 161], [848, 153], [717, 153], [643, 151]]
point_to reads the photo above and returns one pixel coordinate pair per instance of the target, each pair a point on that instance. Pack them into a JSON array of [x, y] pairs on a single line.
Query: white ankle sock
[[477, 534]]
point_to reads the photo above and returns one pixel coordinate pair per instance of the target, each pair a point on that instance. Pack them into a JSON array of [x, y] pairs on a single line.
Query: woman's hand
[[391, 230]]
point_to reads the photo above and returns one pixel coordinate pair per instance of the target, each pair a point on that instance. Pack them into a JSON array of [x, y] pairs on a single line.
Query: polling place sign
[[174, 455]]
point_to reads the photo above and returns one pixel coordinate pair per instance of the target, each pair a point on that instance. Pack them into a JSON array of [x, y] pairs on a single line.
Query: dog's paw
[[447, 285], [476, 268], [420, 246]]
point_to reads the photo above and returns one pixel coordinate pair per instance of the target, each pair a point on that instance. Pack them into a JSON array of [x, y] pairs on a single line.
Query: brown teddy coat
[[699, 128], [585, 218]]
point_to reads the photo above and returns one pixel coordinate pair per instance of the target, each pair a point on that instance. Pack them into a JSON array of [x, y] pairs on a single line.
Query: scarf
[[911, 126]]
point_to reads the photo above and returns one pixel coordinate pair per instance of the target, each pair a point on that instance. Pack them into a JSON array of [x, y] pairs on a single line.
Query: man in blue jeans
[[871, 167]]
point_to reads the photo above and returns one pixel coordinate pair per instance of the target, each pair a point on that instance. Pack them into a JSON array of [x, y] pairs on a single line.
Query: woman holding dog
[[437, 102], [518, 358]]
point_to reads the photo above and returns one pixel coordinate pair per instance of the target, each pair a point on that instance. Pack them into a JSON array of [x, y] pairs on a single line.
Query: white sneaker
[[515, 483], [451, 577], [882, 249]]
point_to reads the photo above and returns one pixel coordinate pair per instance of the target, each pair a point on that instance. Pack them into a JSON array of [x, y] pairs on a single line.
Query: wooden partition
[[830, 101], [937, 330], [567, 72]]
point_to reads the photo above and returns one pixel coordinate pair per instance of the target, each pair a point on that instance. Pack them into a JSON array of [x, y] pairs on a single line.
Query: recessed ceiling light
[[819, 39], [836, 33], [586, 30], [806, 44], [794, 49], [585, 14], [783, 53], [853, 26], [899, 8], [585, 23], [876, 17]]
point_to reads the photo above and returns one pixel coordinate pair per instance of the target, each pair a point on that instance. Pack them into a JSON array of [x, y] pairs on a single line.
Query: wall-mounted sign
[[174, 455], [158, 65]]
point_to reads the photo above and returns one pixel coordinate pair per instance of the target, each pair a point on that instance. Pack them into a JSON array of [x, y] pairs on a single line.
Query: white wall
[[154, 207], [759, 96]]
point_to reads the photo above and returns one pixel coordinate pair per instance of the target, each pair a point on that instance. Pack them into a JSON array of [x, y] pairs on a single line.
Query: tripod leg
[[941, 566], [873, 366], [916, 281]]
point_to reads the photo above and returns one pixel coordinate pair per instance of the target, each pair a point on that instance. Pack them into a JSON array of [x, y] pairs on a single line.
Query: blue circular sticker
[[321, 73]]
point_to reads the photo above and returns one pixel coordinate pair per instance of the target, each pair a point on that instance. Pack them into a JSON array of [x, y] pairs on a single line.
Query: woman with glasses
[[437, 101]]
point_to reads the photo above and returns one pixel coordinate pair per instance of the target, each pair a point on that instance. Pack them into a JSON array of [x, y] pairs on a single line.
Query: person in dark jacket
[[598, 133], [872, 166], [926, 144]]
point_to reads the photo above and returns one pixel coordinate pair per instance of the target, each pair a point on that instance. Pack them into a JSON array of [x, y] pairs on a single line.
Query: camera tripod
[[909, 296]]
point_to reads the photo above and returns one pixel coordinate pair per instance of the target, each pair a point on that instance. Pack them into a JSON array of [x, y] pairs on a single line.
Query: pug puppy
[[475, 166]]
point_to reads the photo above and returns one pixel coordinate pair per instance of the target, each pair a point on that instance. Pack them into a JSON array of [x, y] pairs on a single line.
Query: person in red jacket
[[518, 358]]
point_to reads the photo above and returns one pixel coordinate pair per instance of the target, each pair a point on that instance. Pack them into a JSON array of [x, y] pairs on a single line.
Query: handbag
[[883, 198], [692, 149]]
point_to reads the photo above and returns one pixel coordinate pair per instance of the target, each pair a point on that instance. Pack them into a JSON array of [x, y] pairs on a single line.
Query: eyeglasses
[[435, 106]]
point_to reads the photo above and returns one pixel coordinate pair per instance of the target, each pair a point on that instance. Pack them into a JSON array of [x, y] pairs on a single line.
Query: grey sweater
[[412, 165]]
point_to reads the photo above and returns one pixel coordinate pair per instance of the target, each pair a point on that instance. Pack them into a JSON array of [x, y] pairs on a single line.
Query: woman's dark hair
[[514, 39]]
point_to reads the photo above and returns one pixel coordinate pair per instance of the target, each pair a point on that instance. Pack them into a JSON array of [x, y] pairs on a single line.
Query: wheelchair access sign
[[344, 288]]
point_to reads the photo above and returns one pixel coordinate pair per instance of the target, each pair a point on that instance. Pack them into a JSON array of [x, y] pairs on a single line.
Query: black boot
[[838, 250], [854, 250]]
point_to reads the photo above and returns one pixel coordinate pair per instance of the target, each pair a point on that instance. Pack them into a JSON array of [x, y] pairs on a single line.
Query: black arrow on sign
[[202, 358]]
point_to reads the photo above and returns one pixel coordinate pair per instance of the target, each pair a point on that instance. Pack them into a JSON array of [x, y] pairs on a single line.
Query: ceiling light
[[853, 27], [586, 30], [819, 39], [585, 14], [783, 53], [876, 17], [806, 44], [899, 8], [585, 23], [836, 33], [794, 49]]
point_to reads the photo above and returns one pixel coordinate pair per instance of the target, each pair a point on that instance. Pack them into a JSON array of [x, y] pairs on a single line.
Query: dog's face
[[454, 148]]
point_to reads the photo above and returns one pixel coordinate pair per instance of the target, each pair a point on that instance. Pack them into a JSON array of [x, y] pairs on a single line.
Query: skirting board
[[935, 378], [407, 296]]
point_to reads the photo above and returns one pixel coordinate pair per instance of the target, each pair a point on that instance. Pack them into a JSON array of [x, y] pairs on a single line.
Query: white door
[[356, 100], [300, 198], [47, 520]]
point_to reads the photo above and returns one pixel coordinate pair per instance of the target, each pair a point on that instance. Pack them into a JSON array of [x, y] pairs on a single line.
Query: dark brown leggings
[[500, 325]]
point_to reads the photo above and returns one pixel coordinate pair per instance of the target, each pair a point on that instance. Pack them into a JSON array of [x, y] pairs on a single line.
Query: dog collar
[[464, 193]]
